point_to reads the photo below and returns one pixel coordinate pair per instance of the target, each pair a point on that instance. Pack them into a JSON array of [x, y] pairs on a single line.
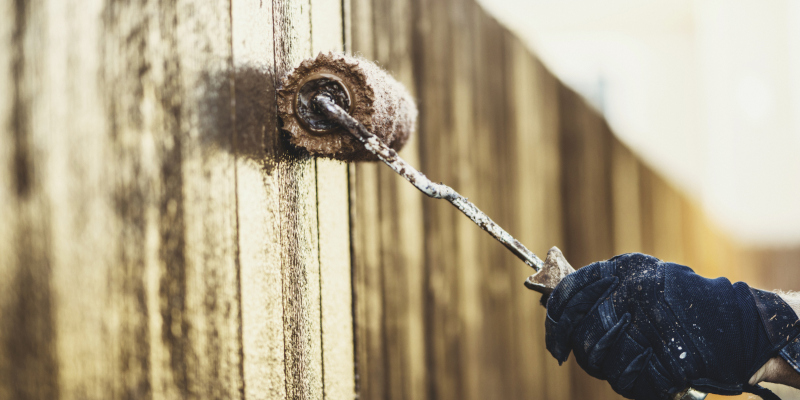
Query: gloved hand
[[652, 328]]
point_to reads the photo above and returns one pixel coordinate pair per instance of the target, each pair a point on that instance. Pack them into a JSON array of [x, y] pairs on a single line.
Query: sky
[[706, 91]]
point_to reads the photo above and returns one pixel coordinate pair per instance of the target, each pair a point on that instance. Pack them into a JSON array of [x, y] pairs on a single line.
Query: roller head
[[368, 94]]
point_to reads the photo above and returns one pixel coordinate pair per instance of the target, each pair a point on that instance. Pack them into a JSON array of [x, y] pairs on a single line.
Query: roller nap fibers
[[360, 87]]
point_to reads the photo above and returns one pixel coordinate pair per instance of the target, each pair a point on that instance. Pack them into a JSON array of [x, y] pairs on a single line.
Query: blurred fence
[[440, 308], [160, 239]]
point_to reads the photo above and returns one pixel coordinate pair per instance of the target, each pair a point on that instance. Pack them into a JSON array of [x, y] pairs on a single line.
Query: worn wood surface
[[161, 240]]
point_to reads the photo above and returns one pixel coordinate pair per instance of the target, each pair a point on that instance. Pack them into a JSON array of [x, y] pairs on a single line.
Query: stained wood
[[537, 199], [28, 319], [8, 186], [334, 235], [467, 270], [161, 240], [258, 195], [401, 240], [152, 210], [434, 84], [299, 239], [388, 261], [668, 230], [627, 202], [493, 177]]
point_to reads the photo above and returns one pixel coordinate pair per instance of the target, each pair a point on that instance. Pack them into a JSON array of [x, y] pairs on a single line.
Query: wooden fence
[[161, 240]]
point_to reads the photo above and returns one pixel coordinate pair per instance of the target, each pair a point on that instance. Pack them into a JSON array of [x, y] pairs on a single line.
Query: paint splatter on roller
[[347, 108]]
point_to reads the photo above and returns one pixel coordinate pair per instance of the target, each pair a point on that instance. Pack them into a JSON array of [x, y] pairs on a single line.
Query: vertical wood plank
[[537, 207], [136, 139], [646, 208], [336, 290], [401, 228], [85, 216], [490, 140], [208, 340], [334, 234], [434, 84], [258, 195], [586, 180], [627, 213], [198, 285], [467, 267], [667, 224], [299, 230], [27, 315], [367, 282], [371, 374], [527, 148], [552, 229], [587, 203], [7, 174]]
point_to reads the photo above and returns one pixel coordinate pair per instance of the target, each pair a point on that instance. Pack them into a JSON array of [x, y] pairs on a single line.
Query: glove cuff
[[781, 324], [778, 318], [791, 353]]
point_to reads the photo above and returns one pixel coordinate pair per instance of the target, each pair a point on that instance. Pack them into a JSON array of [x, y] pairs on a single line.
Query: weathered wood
[[334, 235], [160, 239], [493, 180], [433, 72], [627, 202], [14, 93], [143, 208], [258, 195], [114, 218], [184, 147], [299, 240], [27, 316], [586, 176], [367, 282], [667, 229], [459, 156], [401, 239], [537, 209], [388, 233]]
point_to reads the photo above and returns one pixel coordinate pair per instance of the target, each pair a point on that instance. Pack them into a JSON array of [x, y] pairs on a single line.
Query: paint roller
[[347, 108]]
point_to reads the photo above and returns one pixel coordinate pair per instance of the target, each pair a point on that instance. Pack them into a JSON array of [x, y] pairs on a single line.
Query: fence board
[[299, 246], [27, 313], [334, 236], [258, 195]]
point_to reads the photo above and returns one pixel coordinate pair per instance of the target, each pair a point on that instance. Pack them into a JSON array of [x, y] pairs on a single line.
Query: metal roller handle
[[421, 182]]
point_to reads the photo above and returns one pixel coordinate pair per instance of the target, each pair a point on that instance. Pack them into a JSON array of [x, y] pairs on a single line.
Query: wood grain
[[258, 149], [334, 234], [160, 239], [27, 314], [152, 210], [299, 239]]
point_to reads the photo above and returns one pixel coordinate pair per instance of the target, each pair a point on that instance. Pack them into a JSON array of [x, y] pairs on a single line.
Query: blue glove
[[652, 328]]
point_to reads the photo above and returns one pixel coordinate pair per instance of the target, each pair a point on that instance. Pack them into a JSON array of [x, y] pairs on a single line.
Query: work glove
[[653, 328]]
